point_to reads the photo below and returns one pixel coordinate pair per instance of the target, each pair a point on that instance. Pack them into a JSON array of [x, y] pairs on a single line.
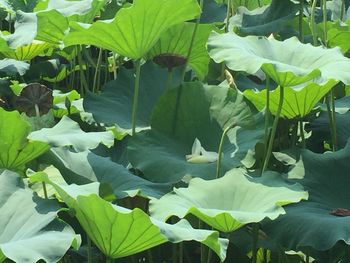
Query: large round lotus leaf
[[176, 42], [296, 103], [16, 150], [114, 105], [86, 167], [265, 20], [12, 67], [288, 62], [338, 35], [135, 29], [26, 52], [213, 12], [200, 113], [120, 232], [68, 133], [229, 202], [29, 228], [324, 219]]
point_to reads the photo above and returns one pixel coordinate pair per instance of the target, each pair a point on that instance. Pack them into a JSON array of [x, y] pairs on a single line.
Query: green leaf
[[68, 133], [28, 223], [230, 202], [265, 20], [161, 152], [118, 94], [314, 223], [16, 150], [135, 29], [86, 167], [297, 103], [12, 67], [27, 52], [120, 232], [176, 41], [288, 62], [338, 35]]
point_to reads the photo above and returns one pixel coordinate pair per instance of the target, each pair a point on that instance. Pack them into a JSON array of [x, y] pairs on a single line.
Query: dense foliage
[[174, 131]]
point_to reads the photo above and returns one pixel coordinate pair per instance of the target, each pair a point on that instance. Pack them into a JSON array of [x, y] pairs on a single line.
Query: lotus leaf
[[68, 133], [16, 150], [118, 94], [120, 232], [86, 167], [230, 202], [161, 152], [297, 103], [319, 222], [30, 229], [135, 29], [288, 62], [176, 41], [265, 20]]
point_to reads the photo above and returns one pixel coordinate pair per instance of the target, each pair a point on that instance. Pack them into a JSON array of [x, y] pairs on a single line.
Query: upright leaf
[[135, 29]]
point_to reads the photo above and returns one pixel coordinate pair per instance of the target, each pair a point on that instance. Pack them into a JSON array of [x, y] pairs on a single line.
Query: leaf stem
[[169, 79], [331, 116], [302, 134], [96, 82], [255, 238], [267, 114], [324, 14], [218, 164], [136, 95], [342, 11], [301, 19], [274, 129], [313, 22], [192, 41], [89, 250], [83, 84]]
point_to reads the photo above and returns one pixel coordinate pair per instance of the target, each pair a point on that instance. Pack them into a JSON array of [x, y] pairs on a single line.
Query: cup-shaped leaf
[[135, 29], [16, 150], [68, 133], [178, 119], [288, 62], [120, 232], [296, 103], [229, 202], [30, 230], [176, 42], [324, 219]]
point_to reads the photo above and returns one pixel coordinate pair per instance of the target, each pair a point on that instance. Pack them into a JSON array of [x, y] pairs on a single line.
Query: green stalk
[[302, 134], [37, 113], [89, 250], [313, 22], [267, 114], [274, 129], [218, 163], [108, 260], [96, 82], [174, 254], [324, 14], [83, 84], [301, 19], [169, 79], [192, 41], [181, 252], [136, 96], [342, 10], [259, 3], [150, 256], [331, 117], [114, 66], [210, 253], [223, 66], [255, 234]]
